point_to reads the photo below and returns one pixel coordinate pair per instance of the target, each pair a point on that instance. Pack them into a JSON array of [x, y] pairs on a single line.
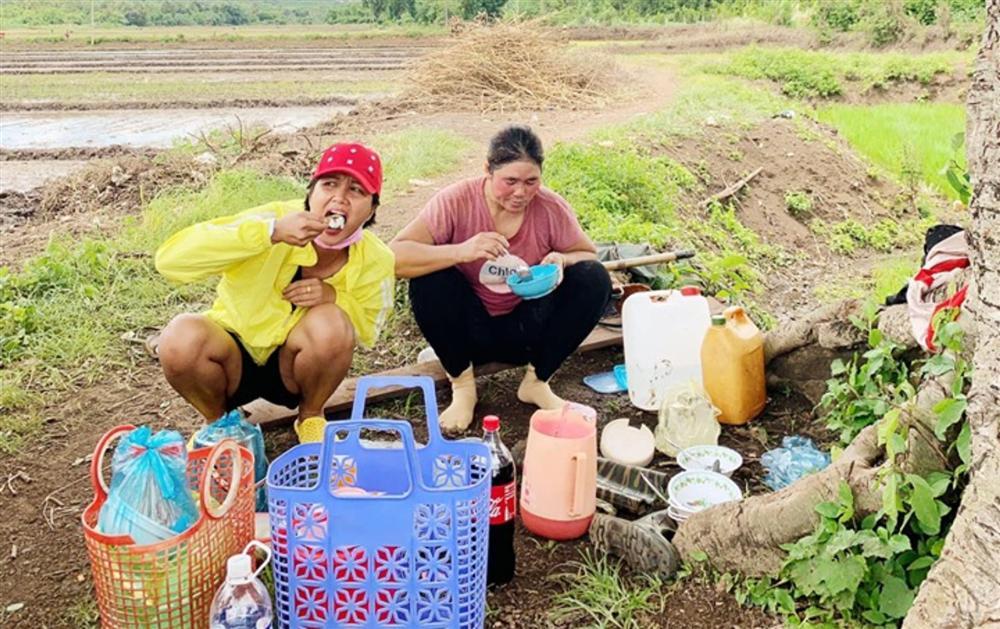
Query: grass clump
[[798, 203], [814, 74], [596, 594], [903, 138]]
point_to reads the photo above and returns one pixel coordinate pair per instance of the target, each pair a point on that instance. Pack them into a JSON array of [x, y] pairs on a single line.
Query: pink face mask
[[343, 244]]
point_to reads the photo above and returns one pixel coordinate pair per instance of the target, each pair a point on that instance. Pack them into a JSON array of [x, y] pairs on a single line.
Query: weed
[[735, 155], [848, 236], [83, 614], [798, 203], [597, 595]]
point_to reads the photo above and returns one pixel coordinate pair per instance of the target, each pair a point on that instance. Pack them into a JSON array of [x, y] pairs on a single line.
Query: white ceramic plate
[[697, 490], [703, 457]]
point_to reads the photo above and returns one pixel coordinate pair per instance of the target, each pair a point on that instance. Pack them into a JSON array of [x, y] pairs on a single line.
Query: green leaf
[[924, 505], [957, 141], [699, 555], [842, 575], [837, 367], [896, 445], [873, 616], [828, 509], [784, 601], [921, 562], [846, 499], [939, 482], [963, 443], [888, 425], [896, 597], [874, 337], [949, 411], [890, 499]]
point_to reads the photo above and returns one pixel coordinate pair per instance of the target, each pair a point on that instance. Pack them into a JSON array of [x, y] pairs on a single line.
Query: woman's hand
[[298, 228], [558, 259], [489, 245], [310, 292]]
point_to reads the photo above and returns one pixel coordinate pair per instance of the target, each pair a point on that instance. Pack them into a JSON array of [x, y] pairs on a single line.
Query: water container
[[662, 333], [732, 359], [243, 601]]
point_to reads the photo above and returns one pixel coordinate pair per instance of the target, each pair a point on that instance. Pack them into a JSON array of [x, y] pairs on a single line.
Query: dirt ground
[[45, 487]]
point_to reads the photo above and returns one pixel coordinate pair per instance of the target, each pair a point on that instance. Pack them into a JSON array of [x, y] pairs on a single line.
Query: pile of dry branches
[[507, 66]]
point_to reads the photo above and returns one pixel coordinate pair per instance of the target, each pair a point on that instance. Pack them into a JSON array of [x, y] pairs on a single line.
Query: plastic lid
[[718, 319], [689, 291], [491, 423], [239, 568]]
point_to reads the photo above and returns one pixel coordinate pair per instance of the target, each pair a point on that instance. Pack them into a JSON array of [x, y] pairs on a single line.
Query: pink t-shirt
[[459, 212]]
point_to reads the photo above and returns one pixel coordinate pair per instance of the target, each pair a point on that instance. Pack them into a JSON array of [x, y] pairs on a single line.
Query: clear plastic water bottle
[[243, 601]]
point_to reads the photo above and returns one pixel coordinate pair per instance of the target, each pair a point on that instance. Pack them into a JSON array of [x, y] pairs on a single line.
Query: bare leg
[[315, 358], [201, 361]]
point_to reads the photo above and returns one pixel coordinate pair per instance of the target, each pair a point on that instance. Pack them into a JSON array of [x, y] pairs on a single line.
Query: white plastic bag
[[687, 418]]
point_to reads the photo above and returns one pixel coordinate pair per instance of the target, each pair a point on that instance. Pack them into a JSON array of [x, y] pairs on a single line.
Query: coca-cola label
[[503, 503]]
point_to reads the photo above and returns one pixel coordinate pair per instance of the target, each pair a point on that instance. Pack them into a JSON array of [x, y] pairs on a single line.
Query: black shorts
[[261, 381]]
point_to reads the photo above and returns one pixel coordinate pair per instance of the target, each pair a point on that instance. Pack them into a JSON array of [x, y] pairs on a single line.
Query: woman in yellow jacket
[[298, 290]]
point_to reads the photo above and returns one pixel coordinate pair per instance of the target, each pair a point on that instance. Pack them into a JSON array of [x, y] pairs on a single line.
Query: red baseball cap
[[356, 160]]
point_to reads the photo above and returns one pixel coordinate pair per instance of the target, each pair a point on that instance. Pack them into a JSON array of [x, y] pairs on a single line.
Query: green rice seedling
[[904, 139], [597, 595]]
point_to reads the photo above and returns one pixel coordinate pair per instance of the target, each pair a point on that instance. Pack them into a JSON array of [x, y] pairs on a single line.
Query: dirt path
[[44, 551]]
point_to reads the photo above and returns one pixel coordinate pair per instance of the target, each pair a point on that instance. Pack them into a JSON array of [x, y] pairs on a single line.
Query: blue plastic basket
[[411, 552]]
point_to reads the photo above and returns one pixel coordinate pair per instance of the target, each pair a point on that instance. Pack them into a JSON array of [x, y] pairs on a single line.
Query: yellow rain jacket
[[254, 273]]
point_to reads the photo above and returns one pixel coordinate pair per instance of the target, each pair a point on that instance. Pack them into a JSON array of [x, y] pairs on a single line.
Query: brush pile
[[507, 66]]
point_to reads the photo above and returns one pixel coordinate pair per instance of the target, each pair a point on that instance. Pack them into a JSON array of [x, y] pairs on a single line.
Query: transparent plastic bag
[[797, 457], [687, 418], [149, 499], [233, 425]]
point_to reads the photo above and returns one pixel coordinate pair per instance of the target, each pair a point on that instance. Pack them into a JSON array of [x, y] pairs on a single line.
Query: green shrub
[[839, 15], [884, 22]]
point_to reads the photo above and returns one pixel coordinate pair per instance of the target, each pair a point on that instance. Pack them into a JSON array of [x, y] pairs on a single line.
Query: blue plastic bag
[[796, 458], [233, 425], [149, 498]]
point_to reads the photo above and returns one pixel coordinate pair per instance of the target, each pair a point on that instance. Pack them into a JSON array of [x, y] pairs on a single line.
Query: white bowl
[[698, 489], [680, 509], [704, 457], [677, 515]]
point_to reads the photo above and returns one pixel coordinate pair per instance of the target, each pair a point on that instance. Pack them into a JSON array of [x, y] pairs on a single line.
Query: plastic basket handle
[[328, 449], [425, 383], [226, 445], [579, 461], [97, 461]]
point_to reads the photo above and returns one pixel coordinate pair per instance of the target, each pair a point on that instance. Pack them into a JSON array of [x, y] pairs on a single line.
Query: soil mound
[[507, 66]]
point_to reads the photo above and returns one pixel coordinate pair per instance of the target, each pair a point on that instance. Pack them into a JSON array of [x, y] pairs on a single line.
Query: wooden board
[[271, 415]]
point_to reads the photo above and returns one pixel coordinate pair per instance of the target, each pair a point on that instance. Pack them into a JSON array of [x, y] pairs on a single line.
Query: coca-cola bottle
[[503, 505]]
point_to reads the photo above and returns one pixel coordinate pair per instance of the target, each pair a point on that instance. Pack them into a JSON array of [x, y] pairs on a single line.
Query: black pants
[[543, 332]]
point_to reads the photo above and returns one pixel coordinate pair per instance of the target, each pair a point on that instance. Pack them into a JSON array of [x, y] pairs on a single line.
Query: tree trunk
[[963, 587]]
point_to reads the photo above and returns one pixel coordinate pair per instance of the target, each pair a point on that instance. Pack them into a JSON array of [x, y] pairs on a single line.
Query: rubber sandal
[[152, 346], [310, 429], [643, 544]]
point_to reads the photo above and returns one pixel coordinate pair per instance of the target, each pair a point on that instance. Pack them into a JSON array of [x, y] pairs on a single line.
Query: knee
[[182, 342], [588, 279], [328, 333]]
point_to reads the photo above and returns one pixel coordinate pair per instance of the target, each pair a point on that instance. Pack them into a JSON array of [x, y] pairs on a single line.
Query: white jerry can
[[662, 333]]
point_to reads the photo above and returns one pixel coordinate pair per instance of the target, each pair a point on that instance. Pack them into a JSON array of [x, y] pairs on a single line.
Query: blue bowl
[[544, 278]]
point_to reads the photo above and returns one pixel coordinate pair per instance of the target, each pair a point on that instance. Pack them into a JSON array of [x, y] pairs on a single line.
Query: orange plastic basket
[[172, 583]]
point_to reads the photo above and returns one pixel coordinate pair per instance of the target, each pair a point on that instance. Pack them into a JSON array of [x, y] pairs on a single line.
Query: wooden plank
[[271, 415]]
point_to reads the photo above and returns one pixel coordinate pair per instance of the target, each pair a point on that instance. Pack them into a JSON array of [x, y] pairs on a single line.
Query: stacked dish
[[693, 491]]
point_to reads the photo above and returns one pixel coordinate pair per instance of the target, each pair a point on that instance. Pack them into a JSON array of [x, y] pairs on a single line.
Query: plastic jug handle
[[580, 463], [735, 313], [260, 546]]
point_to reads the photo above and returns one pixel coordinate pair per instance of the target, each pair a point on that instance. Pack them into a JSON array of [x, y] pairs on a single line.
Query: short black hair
[[513, 144], [370, 221]]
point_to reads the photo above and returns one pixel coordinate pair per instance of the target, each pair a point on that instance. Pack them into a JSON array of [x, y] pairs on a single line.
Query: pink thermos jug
[[558, 482]]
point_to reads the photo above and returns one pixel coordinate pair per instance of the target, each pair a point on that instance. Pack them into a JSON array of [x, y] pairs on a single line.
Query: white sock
[[534, 391], [458, 415]]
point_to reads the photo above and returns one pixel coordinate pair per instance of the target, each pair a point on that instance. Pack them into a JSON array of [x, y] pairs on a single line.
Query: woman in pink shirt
[[458, 253]]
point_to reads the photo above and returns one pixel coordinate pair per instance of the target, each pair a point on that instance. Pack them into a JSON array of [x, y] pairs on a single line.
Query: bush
[[884, 22], [840, 15]]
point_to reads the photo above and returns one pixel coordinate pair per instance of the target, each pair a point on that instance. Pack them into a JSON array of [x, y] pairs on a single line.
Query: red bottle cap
[[491, 423], [689, 291]]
